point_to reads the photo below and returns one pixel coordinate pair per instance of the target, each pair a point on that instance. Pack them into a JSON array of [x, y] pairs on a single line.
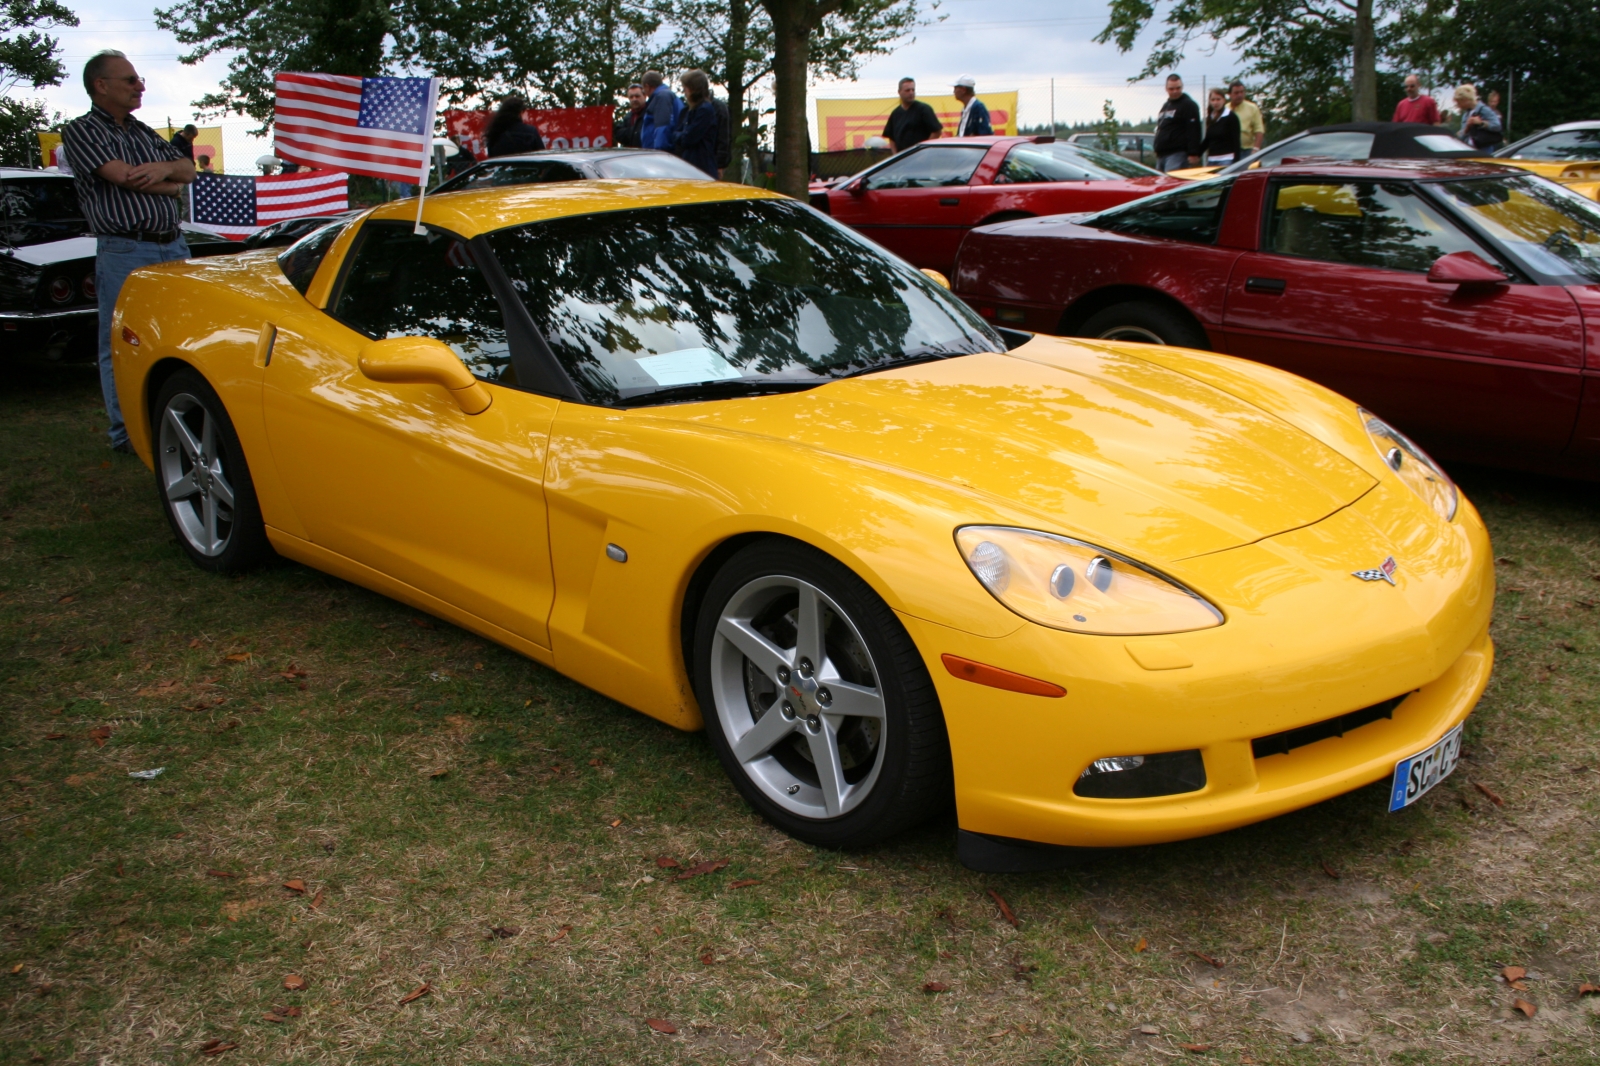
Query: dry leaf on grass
[[219, 873], [1528, 1009], [288, 1012], [55, 736], [238, 657], [1329, 870], [295, 983], [1513, 973], [667, 862], [661, 1025], [275, 1019], [1142, 946], [1005, 909], [295, 885], [67, 599], [294, 673], [933, 988], [195, 643], [1198, 1049], [17, 968], [161, 688], [75, 780], [1490, 793], [707, 958], [1207, 959], [503, 932], [416, 993], [746, 883], [1585, 989], [563, 931], [233, 910], [100, 734], [216, 1047], [707, 867], [614, 822], [316, 901]]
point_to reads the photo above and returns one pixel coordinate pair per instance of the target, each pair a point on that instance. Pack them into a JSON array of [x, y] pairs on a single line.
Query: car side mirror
[[1465, 268], [857, 187], [425, 361]]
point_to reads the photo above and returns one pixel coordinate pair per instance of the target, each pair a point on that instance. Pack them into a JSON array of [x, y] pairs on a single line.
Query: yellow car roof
[[474, 211]]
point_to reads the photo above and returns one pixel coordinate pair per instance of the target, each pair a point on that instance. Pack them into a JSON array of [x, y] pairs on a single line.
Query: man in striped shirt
[[128, 179]]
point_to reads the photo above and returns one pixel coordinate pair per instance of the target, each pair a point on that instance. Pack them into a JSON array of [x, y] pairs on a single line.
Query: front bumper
[[69, 336], [1304, 642]]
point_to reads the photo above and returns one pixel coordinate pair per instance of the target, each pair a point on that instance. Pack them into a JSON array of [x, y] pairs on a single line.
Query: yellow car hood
[[1086, 439]]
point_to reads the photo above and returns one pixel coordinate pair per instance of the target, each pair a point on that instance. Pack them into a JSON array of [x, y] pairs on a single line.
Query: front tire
[[816, 700], [1145, 323], [202, 479]]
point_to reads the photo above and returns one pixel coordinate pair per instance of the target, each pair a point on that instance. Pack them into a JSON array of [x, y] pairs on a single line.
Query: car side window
[[1380, 224], [1571, 146], [401, 284], [299, 261], [538, 172], [928, 168], [1192, 213]]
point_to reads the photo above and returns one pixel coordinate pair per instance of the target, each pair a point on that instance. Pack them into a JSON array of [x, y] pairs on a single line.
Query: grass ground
[[471, 824]]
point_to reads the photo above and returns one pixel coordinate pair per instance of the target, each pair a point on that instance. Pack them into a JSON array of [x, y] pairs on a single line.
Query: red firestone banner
[[561, 127]]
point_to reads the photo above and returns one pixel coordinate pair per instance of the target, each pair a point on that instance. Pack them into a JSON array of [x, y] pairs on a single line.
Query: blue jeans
[[114, 259], [1172, 161]]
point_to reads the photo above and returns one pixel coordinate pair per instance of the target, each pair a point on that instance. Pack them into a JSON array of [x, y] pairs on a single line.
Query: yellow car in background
[[1568, 153], [702, 449]]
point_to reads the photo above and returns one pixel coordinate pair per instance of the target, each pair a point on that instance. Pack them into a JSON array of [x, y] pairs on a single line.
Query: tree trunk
[[1364, 64], [736, 54], [792, 23]]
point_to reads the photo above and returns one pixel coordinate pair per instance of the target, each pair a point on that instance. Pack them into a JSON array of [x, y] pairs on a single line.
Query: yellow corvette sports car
[[701, 449]]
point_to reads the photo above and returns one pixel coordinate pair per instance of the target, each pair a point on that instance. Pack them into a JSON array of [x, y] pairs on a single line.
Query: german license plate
[[1413, 777]]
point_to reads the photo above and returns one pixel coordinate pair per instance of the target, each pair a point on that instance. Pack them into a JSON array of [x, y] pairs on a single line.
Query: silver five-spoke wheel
[[798, 697], [196, 484]]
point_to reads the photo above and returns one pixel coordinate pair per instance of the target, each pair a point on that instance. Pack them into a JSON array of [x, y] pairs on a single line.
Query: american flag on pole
[[382, 127], [237, 206]]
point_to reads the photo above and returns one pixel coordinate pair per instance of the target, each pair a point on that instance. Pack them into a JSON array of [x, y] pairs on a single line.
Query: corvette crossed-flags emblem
[[1384, 572]]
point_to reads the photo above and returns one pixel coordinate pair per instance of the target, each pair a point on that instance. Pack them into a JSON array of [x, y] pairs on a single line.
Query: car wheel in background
[[1146, 323], [202, 479], [816, 700]]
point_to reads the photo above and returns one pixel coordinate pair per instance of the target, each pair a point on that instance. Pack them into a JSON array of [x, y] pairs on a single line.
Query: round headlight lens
[[60, 290], [1067, 584], [1413, 466]]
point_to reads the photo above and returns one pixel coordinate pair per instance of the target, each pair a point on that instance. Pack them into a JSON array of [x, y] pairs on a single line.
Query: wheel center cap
[[803, 692]]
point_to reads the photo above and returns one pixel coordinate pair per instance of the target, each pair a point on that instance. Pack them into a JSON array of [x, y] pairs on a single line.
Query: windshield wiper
[[716, 390], [912, 358]]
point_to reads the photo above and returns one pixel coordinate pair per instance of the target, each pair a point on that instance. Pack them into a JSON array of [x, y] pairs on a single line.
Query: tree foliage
[[1303, 53], [28, 54], [1541, 54]]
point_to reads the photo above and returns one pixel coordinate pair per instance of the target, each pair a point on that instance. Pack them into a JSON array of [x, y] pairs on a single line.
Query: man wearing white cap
[[974, 116]]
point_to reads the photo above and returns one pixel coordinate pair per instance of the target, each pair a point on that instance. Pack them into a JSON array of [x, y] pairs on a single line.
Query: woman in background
[[1480, 126], [695, 138], [1221, 143], [508, 134]]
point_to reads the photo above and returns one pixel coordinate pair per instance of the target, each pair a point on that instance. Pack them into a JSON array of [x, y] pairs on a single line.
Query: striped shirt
[[94, 140]]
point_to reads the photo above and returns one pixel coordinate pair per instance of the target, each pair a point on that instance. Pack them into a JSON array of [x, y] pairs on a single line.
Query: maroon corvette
[[920, 203], [1459, 301]]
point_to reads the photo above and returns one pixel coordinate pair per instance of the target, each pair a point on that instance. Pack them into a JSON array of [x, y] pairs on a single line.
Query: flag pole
[[427, 155]]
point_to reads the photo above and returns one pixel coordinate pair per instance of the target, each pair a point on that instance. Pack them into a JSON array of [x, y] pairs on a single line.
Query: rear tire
[[202, 479], [1145, 323], [816, 700]]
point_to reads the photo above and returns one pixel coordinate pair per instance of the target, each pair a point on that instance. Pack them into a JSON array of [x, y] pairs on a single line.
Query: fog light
[[1168, 773]]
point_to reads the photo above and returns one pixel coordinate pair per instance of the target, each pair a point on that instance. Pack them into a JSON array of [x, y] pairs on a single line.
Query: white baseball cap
[[966, 82]]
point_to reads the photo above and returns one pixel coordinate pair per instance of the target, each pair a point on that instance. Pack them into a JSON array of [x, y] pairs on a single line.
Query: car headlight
[[1066, 584], [1413, 466]]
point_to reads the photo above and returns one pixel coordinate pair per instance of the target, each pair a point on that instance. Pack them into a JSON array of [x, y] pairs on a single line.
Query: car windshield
[[1067, 162], [644, 164], [1342, 144], [1191, 212], [1551, 230], [703, 300], [38, 209], [521, 172], [1568, 146]]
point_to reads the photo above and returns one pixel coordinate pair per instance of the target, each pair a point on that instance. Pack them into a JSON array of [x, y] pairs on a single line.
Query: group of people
[[695, 127], [1233, 127], [1481, 124], [914, 121]]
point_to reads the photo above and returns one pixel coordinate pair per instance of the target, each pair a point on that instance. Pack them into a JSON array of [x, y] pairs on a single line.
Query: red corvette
[[1459, 301], [920, 203]]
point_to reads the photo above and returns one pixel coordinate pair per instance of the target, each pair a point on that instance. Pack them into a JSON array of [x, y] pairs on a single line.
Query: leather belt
[[149, 237]]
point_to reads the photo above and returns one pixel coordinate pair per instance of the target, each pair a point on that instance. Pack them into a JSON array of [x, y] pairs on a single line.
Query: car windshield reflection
[[707, 300], [1552, 230]]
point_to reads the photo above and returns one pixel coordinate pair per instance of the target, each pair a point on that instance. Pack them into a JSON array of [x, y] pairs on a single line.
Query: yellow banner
[[845, 124], [208, 143], [49, 146]]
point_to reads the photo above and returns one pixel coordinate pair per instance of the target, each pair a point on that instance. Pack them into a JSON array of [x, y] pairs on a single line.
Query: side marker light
[[984, 674]]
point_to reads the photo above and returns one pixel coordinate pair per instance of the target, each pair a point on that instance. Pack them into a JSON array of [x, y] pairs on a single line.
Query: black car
[[48, 310], [282, 234], [578, 164], [1361, 140]]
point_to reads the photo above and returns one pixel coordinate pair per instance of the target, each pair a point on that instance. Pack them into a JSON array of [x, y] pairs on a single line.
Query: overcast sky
[[1018, 45]]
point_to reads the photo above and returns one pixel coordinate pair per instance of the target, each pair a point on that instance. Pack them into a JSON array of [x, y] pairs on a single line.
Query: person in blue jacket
[[694, 139], [661, 111]]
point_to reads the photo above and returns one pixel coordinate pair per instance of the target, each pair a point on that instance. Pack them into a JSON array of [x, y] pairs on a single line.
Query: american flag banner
[[382, 127], [238, 206]]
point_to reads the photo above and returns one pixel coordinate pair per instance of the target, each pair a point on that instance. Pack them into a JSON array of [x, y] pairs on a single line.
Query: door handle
[[949, 201], [1270, 286]]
